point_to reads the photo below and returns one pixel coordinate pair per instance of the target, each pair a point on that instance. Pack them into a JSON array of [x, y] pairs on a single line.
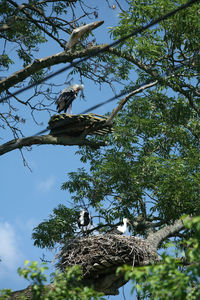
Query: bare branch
[[48, 139], [22, 8], [123, 102], [157, 76], [80, 31], [5, 27], [42, 63]]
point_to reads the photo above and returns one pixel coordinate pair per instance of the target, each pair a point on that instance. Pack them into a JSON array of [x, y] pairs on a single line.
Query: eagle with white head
[[121, 229], [67, 96]]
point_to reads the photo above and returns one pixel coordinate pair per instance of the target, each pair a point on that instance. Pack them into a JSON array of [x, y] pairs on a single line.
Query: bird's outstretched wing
[[65, 100]]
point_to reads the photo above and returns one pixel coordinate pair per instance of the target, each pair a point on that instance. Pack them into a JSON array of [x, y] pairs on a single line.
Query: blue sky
[[27, 198]]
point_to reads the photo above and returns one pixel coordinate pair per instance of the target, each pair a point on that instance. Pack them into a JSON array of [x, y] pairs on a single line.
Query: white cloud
[[46, 185], [10, 254]]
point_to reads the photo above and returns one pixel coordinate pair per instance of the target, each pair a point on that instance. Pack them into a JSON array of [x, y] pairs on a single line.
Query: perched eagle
[[84, 219], [121, 229], [67, 96]]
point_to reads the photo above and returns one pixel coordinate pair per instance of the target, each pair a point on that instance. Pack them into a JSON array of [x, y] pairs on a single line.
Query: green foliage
[[150, 169], [5, 61], [179, 32], [5, 293], [28, 26], [61, 225], [21, 30], [151, 166], [69, 286], [65, 285], [172, 278], [35, 275], [154, 152], [153, 155]]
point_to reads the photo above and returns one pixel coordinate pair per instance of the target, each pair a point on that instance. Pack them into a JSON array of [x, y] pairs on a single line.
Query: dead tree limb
[[48, 139], [66, 130], [125, 99], [39, 64], [80, 31]]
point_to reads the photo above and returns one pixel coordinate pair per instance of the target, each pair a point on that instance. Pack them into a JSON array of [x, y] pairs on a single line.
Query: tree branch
[[42, 63], [123, 102], [156, 75], [80, 31], [154, 239], [22, 8], [48, 139], [5, 27]]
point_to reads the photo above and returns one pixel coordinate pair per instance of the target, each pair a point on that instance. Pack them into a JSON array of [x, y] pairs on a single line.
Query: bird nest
[[99, 256], [74, 125]]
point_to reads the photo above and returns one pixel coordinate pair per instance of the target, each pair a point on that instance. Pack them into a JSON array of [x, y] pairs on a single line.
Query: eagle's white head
[[80, 87]]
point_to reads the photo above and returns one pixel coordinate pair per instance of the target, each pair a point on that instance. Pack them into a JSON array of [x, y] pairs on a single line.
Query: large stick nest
[[100, 256], [74, 125]]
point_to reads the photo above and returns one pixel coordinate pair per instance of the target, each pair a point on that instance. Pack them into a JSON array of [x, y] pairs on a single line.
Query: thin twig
[[123, 102]]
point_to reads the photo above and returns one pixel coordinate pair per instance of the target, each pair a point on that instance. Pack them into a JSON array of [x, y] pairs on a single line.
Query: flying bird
[[84, 220], [121, 229], [67, 96]]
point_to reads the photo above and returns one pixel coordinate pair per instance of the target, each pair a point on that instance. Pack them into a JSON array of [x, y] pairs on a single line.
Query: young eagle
[[67, 96], [84, 219], [121, 229]]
